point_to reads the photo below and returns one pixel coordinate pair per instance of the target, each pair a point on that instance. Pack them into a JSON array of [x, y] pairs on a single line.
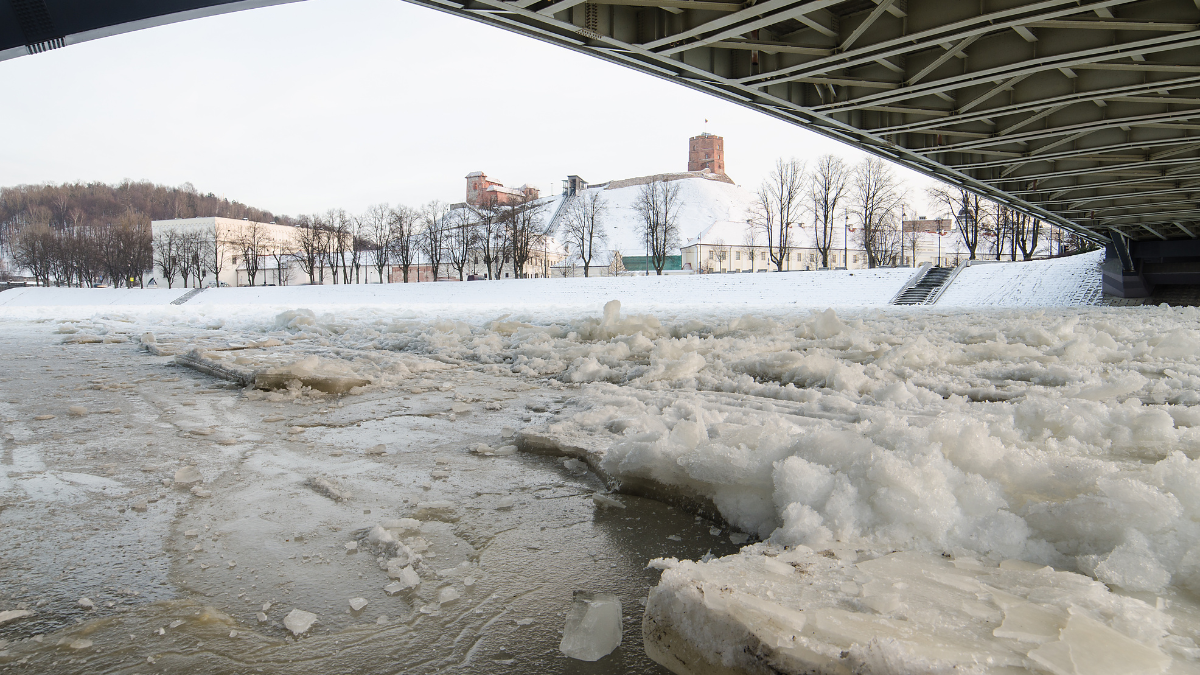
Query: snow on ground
[[1070, 281], [88, 297], [477, 301], [932, 489]]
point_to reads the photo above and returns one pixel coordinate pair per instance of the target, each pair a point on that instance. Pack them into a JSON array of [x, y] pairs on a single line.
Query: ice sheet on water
[[593, 628], [801, 611], [332, 376]]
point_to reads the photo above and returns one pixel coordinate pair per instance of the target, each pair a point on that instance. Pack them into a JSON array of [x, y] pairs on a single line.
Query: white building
[[736, 246], [220, 243]]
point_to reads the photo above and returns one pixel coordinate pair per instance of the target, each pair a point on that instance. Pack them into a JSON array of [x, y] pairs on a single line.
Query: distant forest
[[76, 204], [84, 233]]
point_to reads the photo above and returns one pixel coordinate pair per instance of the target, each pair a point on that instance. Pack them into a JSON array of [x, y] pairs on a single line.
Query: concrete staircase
[[926, 288]]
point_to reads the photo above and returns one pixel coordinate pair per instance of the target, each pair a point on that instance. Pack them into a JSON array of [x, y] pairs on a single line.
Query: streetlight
[[846, 242]]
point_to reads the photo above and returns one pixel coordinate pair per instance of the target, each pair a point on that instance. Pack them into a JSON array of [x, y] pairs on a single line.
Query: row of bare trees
[[117, 253], [868, 200]]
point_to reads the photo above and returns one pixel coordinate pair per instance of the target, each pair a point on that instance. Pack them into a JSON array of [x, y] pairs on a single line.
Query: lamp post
[[846, 242]]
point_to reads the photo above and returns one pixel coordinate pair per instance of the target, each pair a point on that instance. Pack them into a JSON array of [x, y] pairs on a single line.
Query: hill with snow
[[704, 200]]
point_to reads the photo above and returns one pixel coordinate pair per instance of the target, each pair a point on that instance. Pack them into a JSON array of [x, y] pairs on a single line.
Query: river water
[[198, 578]]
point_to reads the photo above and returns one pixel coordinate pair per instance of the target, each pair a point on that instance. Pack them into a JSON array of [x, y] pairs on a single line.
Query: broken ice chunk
[[523, 622], [405, 577], [506, 502], [356, 604], [738, 538], [81, 643], [86, 603], [593, 628], [77, 410], [351, 546], [200, 492], [299, 621], [1088, 647], [447, 595], [505, 450], [13, 615], [379, 536], [43, 418], [607, 502], [262, 617], [575, 466], [1025, 621], [188, 475], [379, 449]]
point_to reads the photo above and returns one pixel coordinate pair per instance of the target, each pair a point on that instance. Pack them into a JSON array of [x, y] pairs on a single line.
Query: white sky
[[345, 103]]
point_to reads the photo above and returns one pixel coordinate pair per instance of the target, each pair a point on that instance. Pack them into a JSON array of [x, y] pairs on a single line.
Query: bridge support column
[[1119, 274]]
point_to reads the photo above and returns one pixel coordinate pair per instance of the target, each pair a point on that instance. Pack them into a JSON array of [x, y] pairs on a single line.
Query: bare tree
[[526, 230], [779, 207], [187, 256], [433, 233], [212, 247], [750, 237], [32, 250], [310, 247], [403, 222], [584, 227], [1026, 230], [460, 238], [337, 242], [827, 188], [166, 254], [875, 199], [281, 251], [658, 204], [967, 211], [251, 243], [377, 230], [491, 236]]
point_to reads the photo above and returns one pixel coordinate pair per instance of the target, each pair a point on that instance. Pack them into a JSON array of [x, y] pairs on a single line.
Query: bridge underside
[[1085, 114]]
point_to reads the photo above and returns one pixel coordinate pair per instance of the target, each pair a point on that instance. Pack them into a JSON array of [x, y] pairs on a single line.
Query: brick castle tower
[[706, 151]]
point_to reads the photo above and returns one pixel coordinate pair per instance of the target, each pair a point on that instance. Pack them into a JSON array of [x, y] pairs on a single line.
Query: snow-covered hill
[[704, 199]]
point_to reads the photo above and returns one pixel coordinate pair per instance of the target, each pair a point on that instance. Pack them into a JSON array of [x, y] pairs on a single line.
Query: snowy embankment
[[88, 298], [692, 296], [1059, 282]]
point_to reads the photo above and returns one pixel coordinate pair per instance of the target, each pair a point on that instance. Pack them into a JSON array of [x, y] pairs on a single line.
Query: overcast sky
[[345, 103]]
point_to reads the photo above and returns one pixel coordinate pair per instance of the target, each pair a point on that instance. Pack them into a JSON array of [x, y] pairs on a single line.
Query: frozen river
[[882, 490], [176, 580]]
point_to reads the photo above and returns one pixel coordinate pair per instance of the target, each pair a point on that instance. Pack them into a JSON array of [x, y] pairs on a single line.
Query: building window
[[855, 258], [762, 255], [737, 255], [711, 255]]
